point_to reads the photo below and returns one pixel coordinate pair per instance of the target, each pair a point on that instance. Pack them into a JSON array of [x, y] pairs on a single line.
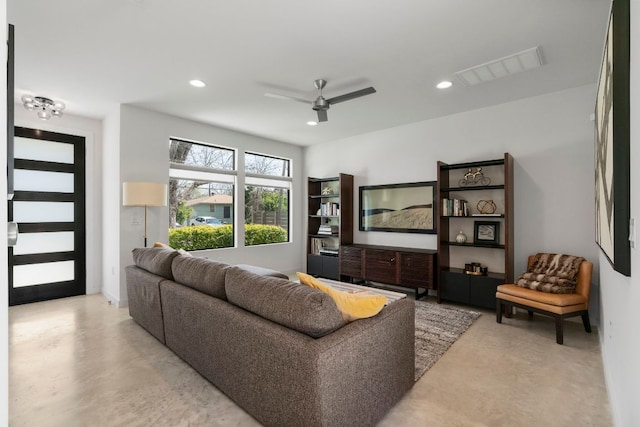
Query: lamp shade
[[144, 194]]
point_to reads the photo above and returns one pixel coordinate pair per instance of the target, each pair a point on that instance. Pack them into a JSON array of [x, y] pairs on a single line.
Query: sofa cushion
[[290, 304], [262, 271], [201, 274], [155, 260], [164, 245], [352, 306]]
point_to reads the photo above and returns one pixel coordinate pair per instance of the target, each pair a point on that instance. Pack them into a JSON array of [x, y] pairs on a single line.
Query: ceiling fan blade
[[287, 98], [352, 95], [322, 116]]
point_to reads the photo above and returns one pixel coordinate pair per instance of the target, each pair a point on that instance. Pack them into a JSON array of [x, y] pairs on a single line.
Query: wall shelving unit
[[329, 223], [455, 282]]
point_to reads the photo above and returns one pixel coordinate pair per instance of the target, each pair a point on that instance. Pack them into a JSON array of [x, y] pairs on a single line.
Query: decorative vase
[[461, 237]]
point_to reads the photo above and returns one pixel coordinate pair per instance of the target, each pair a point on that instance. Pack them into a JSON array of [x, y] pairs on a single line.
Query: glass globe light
[[44, 114]]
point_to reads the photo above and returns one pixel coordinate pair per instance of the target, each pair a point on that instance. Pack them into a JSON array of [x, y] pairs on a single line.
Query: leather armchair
[[558, 306]]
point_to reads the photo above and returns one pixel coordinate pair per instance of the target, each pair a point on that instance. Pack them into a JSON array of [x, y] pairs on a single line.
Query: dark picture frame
[[612, 146], [486, 232], [402, 208]]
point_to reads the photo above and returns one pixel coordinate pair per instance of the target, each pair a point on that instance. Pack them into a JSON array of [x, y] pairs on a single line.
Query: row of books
[[328, 229], [318, 248], [455, 207], [329, 209]]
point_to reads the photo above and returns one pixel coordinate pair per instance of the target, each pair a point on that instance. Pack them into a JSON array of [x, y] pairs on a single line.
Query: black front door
[[49, 260]]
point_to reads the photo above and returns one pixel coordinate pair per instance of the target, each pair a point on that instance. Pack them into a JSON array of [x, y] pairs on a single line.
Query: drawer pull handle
[[392, 260]]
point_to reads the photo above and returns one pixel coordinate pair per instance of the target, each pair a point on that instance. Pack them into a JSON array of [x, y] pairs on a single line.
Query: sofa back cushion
[[201, 274], [155, 260], [261, 271], [289, 304]]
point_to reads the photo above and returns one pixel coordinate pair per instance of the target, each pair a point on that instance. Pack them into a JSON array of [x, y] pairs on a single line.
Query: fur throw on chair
[[553, 273]]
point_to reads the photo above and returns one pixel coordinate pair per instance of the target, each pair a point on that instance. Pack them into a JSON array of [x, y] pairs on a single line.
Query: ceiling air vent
[[512, 64]]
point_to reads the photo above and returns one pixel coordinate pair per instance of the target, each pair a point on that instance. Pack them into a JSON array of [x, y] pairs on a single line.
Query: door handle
[[12, 233]]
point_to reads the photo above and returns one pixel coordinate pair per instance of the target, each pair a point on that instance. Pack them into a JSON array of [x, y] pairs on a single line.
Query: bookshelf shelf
[[454, 283], [330, 208]]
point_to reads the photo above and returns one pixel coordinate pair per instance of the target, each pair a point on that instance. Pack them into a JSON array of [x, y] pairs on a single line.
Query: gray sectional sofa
[[279, 349]]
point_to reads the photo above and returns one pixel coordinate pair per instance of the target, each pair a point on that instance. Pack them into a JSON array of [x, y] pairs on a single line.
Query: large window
[[201, 195], [202, 186], [266, 198]]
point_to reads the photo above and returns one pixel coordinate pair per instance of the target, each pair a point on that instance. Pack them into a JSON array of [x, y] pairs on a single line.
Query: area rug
[[437, 328]]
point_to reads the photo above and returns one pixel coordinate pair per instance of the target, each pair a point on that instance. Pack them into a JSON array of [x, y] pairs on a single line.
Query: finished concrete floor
[[82, 362]]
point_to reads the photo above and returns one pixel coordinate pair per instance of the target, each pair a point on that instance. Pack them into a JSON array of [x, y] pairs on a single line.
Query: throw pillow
[[552, 273], [352, 306]]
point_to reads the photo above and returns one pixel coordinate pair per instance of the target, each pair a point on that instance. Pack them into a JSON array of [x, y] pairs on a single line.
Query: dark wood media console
[[405, 267]]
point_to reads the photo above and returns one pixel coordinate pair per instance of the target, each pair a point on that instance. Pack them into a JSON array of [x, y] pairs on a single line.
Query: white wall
[[144, 156], [550, 138], [621, 295], [111, 202], [91, 130], [4, 294]]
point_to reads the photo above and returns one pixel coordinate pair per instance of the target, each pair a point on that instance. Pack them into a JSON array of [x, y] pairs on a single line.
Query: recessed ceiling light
[[197, 83], [312, 123], [445, 84]]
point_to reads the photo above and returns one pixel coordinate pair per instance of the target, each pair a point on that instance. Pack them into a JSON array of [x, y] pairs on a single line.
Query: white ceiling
[[96, 54]]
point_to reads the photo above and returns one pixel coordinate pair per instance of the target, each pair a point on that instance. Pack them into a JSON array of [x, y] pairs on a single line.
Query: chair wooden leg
[[586, 322], [499, 308], [559, 330]]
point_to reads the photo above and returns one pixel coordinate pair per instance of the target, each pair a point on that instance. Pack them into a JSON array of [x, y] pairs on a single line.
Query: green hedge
[[258, 234], [202, 237]]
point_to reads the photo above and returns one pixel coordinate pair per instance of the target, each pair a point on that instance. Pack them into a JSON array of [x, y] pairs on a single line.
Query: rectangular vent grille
[[512, 64]]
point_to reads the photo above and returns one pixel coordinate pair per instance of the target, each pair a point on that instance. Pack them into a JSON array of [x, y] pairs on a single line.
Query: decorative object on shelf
[[327, 191], [475, 269], [404, 208], [474, 178], [486, 232], [486, 207], [46, 107], [461, 237]]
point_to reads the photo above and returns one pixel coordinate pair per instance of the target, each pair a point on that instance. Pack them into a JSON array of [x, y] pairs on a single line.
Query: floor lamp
[[144, 194]]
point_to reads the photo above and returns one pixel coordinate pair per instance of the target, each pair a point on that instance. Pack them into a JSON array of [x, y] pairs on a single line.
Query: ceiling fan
[[320, 104]]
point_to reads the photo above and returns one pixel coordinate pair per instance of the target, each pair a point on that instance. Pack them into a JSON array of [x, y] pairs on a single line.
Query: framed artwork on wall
[[612, 168], [403, 208]]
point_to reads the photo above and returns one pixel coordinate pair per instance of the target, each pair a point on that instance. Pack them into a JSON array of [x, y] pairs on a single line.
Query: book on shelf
[[455, 207], [328, 229], [316, 246], [329, 251], [329, 209]]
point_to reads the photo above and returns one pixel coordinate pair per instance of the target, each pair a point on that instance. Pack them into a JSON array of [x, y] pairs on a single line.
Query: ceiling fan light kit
[[320, 105]]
